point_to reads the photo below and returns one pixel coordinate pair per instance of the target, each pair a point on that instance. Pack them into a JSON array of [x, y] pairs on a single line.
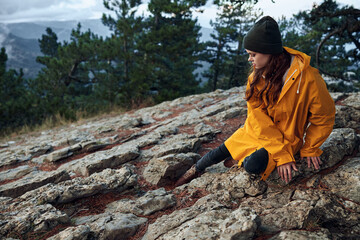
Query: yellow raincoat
[[304, 106]]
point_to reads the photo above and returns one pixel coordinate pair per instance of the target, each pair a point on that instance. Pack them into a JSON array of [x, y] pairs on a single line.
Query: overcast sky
[[48, 10]]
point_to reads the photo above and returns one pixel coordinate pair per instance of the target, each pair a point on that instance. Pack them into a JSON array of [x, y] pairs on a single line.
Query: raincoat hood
[[302, 62], [303, 58]]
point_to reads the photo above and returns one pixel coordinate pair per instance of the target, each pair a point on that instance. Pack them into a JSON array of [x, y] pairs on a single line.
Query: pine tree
[[228, 59], [15, 104], [329, 34], [121, 52], [171, 48], [65, 82], [3, 60], [49, 44]]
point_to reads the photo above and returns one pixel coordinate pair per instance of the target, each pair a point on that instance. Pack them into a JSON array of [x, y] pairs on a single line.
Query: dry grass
[[48, 123], [57, 121], [80, 116]]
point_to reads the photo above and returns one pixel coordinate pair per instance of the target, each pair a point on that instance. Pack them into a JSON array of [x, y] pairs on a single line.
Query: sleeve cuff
[[283, 157], [310, 152]]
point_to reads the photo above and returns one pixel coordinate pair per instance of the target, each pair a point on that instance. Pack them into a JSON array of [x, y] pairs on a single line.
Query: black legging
[[255, 163]]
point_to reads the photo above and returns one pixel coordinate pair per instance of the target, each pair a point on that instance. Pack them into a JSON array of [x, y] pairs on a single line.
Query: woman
[[287, 99]]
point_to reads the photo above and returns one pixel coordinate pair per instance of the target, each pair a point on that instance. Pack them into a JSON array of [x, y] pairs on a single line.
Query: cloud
[[45, 10], [4, 31], [48, 10], [14, 6]]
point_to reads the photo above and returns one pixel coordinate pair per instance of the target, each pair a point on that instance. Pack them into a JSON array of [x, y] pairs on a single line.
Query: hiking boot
[[188, 176]]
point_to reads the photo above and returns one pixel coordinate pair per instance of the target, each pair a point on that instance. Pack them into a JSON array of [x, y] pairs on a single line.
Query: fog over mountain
[[21, 40], [22, 54]]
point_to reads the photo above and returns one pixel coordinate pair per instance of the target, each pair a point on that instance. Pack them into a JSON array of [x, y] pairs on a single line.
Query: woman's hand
[[284, 171], [315, 161]]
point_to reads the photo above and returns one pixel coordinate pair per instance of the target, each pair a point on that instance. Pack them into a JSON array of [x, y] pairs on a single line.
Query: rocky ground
[[113, 178]]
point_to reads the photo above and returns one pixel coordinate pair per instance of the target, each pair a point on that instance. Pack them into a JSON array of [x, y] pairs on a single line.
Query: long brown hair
[[273, 72]]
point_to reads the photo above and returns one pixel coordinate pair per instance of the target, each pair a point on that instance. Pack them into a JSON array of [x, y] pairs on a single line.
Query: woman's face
[[258, 60]]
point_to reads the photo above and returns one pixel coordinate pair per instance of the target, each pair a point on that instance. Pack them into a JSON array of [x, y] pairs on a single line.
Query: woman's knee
[[257, 162], [213, 157]]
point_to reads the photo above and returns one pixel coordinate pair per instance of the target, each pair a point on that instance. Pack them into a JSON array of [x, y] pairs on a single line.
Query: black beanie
[[264, 37]]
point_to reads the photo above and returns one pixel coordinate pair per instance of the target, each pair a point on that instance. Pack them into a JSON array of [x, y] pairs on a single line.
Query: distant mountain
[[61, 28], [21, 40], [22, 54]]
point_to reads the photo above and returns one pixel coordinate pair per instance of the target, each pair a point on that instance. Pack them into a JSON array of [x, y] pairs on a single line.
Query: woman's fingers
[[288, 178], [308, 161], [285, 174], [316, 161], [294, 166], [285, 171], [281, 173]]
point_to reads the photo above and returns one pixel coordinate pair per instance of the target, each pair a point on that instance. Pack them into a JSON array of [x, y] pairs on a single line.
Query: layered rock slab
[[9, 159], [277, 211], [341, 217], [167, 169], [235, 183], [16, 172], [206, 219], [180, 143], [82, 232], [100, 160], [282, 209], [353, 100], [345, 181], [67, 191], [32, 218], [347, 117], [322, 234], [32, 181], [151, 202], [117, 226]]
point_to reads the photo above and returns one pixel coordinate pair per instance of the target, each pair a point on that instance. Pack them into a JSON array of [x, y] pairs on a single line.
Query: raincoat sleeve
[[321, 119], [269, 136]]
